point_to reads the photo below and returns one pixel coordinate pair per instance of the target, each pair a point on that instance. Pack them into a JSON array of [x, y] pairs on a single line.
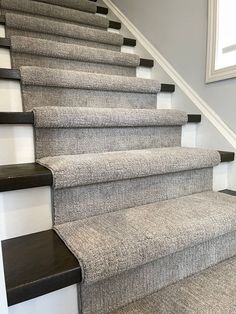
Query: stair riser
[[34, 96], [104, 296], [25, 211], [16, 32], [33, 60], [54, 142], [85, 201]]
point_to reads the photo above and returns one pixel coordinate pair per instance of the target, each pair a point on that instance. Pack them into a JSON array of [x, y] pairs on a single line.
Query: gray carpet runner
[[56, 87], [212, 291], [135, 208], [52, 54], [49, 11], [82, 5], [74, 130], [39, 27]]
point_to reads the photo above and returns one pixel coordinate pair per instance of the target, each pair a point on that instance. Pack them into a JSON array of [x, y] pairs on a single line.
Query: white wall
[[178, 29]]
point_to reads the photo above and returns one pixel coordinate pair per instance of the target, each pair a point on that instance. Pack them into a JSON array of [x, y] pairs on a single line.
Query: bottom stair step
[[37, 264], [210, 291]]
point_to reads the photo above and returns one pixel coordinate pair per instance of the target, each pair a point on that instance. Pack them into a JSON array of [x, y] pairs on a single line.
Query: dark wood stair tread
[[229, 192], [23, 176], [227, 156], [102, 10], [37, 264], [28, 118]]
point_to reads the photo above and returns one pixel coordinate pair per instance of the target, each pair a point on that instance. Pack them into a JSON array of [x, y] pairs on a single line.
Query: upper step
[[76, 170], [72, 130], [28, 51], [53, 11], [30, 26], [73, 88], [109, 244], [82, 5], [210, 291]]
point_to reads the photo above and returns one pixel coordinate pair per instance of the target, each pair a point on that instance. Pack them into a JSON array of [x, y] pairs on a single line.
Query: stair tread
[[53, 11], [37, 76], [73, 117], [109, 244], [28, 117], [83, 169], [50, 266], [210, 291], [23, 176], [53, 49], [59, 28], [87, 6]]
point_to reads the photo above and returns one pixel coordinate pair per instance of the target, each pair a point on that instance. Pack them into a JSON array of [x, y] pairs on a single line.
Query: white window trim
[[213, 74]]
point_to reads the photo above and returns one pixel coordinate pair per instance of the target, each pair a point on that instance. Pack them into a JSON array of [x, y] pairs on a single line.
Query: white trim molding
[[205, 109], [216, 53]]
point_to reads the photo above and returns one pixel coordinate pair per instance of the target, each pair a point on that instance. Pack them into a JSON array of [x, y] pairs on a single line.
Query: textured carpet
[[135, 208], [33, 26], [212, 291], [52, 54], [109, 244], [53, 11], [72, 130], [55, 87], [82, 5]]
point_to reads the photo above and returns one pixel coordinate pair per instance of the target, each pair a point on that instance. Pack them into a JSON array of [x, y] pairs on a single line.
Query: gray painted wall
[[178, 29]]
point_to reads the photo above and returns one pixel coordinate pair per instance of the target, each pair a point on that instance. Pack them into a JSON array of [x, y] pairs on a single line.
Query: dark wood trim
[[114, 24], [194, 118], [148, 63], [2, 20], [24, 176], [10, 74], [226, 156], [5, 42], [230, 192], [167, 88], [16, 118], [129, 42], [102, 10], [37, 264]]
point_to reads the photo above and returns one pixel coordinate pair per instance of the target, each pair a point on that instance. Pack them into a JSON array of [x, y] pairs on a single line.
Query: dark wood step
[[114, 24], [5, 42], [102, 10], [230, 192], [167, 88], [148, 63], [11, 74], [24, 176], [129, 42], [28, 118], [2, 20], [37, 264], [227, 156]]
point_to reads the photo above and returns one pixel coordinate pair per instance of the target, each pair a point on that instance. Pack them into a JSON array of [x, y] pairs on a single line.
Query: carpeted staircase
[[135, 208]]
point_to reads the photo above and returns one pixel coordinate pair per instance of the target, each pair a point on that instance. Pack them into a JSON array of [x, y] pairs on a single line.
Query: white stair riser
[[220, 177], [2, 31], [60, 302], [5, 60], [25, 211], [17, 143], [189, 133], [10, 92]]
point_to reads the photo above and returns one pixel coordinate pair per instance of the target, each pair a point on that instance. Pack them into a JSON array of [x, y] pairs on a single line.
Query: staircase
[[135, 221]]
